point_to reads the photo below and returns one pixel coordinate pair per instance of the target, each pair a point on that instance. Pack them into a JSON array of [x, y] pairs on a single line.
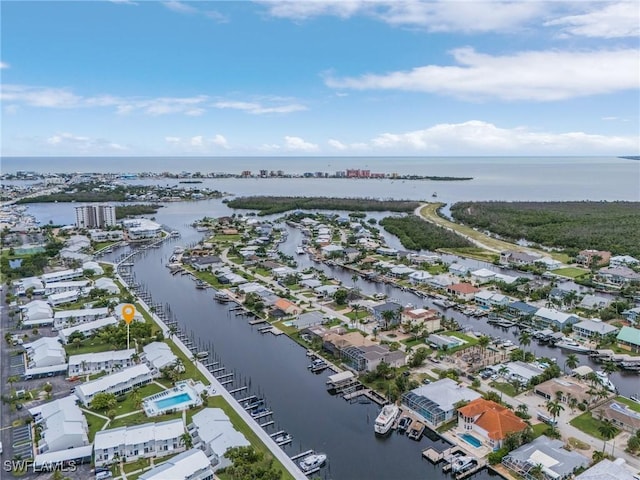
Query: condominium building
[[95, 216]]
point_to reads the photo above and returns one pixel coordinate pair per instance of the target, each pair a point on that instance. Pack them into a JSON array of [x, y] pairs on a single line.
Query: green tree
[[103, 401], [340, 296], [571, 361], [525, 338], [186, 440], [608, 430], [554, 408], [388, 316]]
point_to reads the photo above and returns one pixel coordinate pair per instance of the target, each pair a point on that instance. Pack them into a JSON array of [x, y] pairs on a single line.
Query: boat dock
[[370, 394], [303, 454]]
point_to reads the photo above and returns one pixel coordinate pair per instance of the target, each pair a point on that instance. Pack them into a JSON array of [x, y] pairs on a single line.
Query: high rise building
[[95, 216]]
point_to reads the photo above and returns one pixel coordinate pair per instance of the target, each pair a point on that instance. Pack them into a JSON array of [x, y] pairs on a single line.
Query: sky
[[320, 78]]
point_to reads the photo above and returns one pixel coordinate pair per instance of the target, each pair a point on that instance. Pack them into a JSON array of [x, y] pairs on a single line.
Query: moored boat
[[312, 462], [572, 346], [386, 417]]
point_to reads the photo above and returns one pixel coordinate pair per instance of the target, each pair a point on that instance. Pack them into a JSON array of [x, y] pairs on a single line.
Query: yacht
[[462, 464], [385, 418], [572, 346], [606, 382], [312, 462], [283, 439], [300, 250]]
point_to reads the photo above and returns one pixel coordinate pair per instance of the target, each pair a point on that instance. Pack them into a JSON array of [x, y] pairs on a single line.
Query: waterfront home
[[378, 313], [489, 422], [214, 433], [87, 329], [62, 425], [426, 319], [632, 315], [332, 251], [117, 383], [482, 276], [618, 275], [282, 272], [587, 257], [367, 358], [593, 328], [138, 441], [521, 310], [609, 470], [105, 283], [419, 277], [44, 352], [513, 257], [386, 251], [92, 267], [311, 283], [159, 355], [117, 312], [289, 308], [401, 271], [227, 277], [36, 310], [419, 259], [508, 279], [623, 261], [549, 317], [206, 263], [62, 275], [463, 291], [557, 295], [90, 363], [251, 287], [568, 388], [141, 228], [436, 402], [548, 263], [594, 302], [557, 462], [440, 282], [444, 342], [336, 341], [190, 465], [351, 254], [629, 339], [458, 269], [326, 291], [309, 319], [488, 299], [66, 318], [621, 415], [518, 371]]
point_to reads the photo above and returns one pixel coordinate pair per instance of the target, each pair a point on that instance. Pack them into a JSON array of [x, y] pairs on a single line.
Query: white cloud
[[197, 143], [259, 109], [611, 20], [69, 143], [4, 65], [220, 141], [299, 144], [338, 145], [124, 2], [435, 16], [184, 8], [478, 137], [179, 7], [531, 75]]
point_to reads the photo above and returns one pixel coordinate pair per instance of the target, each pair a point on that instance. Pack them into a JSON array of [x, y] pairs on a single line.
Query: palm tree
[[536, 472], [554, 409], [503, 371], [355, 307], [571, 361], [525, 338], [186, 440], [354, 278], [173, 330], [522, 409], [610, 367], [388, 316], [135, 398], [608, 430], [483, 343]]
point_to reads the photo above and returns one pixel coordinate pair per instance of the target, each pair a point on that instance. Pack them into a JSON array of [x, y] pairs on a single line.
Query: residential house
[[419, 277], [66, 318], [24, 284], [62, 425], [44, 352], [94, 267], [138, 441], [633, 315], [609, 470], [332, 250], [386, 251], [117, 383], [618, 275], [594, 302], [440, 282], [557, 295], [548, 263], [487, 299], [436, 402], [309, 319], [36, 310], [311, 283], [105, 283], [629, 339], [367, 358], [401, 271], [586, 257], [557, 463], [593, 329], [568, 388], [287, 307], [463, 291], [86, 329], [351, 254], [621, 415], [458, 269], [425, 319], [521, 310], [90, 363], [482, 276], [489, 422], [513, 257], [444, 342], [549, 317], [190, 465], [623, 261], [387, 319], [206, 263], [117, 312], [335, 342], [159, 355], [326, 291]]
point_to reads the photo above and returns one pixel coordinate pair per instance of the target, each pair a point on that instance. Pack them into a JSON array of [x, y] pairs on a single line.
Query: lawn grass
[[635, 406], [222, 238], [95, 424], [140, 418], [137, 465], [290, 331], [539, 429], [262, 271], [100, 245], [588, 424], [191, 371], [505, 388], [127, 405], [89, 345], [208, 277], [412, 342], [242, 427], [361, 314], [570, 272], [472, 252], [147, 318]]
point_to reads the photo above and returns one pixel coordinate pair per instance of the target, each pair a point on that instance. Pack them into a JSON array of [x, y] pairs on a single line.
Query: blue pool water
[[471, 440], [172, 401]]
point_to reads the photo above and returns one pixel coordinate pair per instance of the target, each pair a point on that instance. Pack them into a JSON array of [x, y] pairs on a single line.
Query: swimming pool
[[172, 401], [184, 395], [471, 440]]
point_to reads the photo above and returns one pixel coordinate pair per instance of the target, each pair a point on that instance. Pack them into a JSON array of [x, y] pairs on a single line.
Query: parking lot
[[22, 442], [16, 363]]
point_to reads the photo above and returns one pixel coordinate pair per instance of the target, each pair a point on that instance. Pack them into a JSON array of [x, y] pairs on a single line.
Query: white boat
[[572, 346], [178, 250], [283, 439], [462, 464], [312, 462], [606, 382], [300, 250], [202, 228], [386, 417]]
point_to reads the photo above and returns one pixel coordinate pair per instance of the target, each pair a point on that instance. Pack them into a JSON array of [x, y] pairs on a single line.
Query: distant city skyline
[[320, 78]]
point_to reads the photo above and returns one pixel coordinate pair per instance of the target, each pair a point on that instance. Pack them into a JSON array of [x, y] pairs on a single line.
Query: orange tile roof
[[495, 419], [464, 288], [283, 304]]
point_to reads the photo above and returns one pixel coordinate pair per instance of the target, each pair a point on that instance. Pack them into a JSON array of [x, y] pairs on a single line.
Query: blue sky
[[320, 78]]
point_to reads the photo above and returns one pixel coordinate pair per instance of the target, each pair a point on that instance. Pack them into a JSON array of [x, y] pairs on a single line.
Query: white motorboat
[[312, 462], [300, 250], [572, 346], [606, 382], [462, 464], [386, 417]]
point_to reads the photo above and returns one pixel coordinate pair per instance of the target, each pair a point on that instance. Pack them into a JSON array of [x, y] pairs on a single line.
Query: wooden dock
[[303, 454], [257, 321]]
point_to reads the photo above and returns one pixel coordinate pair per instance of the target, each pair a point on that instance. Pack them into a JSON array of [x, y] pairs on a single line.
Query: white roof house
[[59, 287], [63, 297], [64, 425], [609, 470], [159, 355], [190, 465], [623, 260], [401, 270], [549, 316], [117, 383], [94, 267], [45, 352], [65, 318], [37, 310], [593, 327], [86, 328], [101, 361], [62, 275], [483, 275], [142, 228], [419, 276], [105, 283], [329, 249], [213, 428], [139, 441], [25, 284]]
